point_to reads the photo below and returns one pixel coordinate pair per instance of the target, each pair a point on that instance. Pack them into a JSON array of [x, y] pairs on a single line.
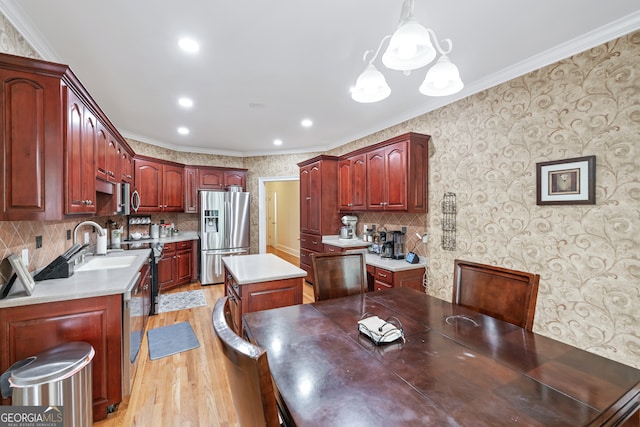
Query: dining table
[[451, 367]]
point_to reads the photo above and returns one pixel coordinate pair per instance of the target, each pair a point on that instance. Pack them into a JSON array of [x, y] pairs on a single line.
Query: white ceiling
[[263, 66]]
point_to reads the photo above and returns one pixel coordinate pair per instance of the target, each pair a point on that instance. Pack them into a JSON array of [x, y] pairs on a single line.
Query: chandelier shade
[[409, 48], [442, 79], [371, 86]]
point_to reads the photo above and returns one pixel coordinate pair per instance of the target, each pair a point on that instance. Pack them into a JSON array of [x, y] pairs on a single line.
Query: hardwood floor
[[188, 389]]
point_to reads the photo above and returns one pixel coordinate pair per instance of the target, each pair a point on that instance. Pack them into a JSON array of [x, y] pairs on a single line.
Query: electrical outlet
[[68, 234], [404, 229], [38, 242], [425, 238], [25, 257]]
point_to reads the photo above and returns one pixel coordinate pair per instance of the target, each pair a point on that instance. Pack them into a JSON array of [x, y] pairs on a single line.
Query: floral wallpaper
[[485, 149]]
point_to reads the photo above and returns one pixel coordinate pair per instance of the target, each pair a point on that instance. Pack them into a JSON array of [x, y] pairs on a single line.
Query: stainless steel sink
[[106, 263]]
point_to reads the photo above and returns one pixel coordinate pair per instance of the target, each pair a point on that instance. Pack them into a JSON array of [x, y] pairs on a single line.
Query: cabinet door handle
[[382, 275], [308, 198]]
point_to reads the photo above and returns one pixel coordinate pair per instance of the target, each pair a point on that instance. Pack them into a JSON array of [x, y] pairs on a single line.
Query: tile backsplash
[[18, 235]]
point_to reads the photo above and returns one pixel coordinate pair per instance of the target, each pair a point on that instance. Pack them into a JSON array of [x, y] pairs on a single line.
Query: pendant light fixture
[[410, 47]]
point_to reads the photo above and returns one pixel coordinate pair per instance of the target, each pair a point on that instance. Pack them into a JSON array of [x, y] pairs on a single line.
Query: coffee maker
[[398, 245]]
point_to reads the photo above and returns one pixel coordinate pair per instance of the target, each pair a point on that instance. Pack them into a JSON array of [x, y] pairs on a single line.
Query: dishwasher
[[136, 305]]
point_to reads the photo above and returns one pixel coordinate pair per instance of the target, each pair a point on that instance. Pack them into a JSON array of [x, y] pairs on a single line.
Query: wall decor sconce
[[409, 48]]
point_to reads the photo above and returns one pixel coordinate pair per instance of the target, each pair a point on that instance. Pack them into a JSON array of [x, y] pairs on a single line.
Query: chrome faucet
[[100, 230]]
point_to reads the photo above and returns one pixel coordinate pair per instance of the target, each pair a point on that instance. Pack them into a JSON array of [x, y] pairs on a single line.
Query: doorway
[[279, 204]]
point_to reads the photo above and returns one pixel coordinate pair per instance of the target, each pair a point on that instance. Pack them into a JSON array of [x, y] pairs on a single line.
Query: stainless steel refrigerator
[[224, 231]]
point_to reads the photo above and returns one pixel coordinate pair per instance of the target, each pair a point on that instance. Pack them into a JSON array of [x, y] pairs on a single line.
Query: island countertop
[[83, 284], [257, 268]]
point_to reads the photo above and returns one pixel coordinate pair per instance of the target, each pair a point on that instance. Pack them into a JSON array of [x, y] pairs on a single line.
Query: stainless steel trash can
[[60, 376]]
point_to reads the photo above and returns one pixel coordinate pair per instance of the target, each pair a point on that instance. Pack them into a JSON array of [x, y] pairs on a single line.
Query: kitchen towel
[[167, 340]]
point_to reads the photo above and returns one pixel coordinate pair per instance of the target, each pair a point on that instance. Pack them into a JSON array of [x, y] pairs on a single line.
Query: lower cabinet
[[379, 279], [28, 330], [260, 296], [177, 265]]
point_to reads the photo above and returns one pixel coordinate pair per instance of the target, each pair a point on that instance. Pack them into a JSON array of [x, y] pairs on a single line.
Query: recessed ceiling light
[[277, 142], [188, 45], [185, 102], [306, 123], [183, 131]]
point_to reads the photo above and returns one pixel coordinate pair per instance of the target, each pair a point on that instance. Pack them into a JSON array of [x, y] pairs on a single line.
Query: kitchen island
[[260, 282]]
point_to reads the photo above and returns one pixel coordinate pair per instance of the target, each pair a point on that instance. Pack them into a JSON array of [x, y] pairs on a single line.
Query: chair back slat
[[505, 294]]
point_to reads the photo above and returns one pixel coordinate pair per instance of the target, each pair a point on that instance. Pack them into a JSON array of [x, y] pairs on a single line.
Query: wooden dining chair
[[248, 373], [505, 294], [338, 274]]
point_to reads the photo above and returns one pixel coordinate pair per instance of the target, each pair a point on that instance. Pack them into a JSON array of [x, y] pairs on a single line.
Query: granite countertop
[[257, 268], [83, 284], [180, 237]]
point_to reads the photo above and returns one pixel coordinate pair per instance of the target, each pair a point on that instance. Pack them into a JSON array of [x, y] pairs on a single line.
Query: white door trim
[[262, 207]]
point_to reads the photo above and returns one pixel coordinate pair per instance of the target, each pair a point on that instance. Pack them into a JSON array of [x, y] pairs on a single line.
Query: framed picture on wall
[[567, 182]]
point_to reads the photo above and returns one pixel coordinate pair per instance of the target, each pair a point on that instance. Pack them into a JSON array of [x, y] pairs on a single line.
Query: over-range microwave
[[126, 201]]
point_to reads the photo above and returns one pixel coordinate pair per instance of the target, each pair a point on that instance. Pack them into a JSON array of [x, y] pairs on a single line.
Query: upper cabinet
[[319, 195], [352, 183], [79, 145], [126, 163], [107, 156], [389, 176], [31, 164], [56, 142], [190, 189], [397, 174], [160, 185], [212, 178]]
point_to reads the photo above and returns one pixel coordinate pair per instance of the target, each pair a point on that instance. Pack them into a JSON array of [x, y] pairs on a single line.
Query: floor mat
[[181, 301], [172, 339]]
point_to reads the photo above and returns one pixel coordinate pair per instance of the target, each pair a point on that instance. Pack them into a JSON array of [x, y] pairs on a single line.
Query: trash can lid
[[55, 364]]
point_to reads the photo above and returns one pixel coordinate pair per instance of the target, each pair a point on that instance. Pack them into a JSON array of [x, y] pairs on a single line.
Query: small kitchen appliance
[[398, 245], [348, 231]]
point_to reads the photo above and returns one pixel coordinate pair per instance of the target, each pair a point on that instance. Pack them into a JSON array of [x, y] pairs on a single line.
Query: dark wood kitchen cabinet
[[213, 178], [107, 161], [318, 206], [397, 174], [126, 163], [28, 330], [80, 143], [177, 264], [32, 130], [55, 138], [190, 189], [352, 183], [379, 279], [160, 185]]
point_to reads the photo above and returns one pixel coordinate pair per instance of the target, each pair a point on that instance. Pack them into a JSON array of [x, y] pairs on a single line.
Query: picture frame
[[566, 182], [23, 274]]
